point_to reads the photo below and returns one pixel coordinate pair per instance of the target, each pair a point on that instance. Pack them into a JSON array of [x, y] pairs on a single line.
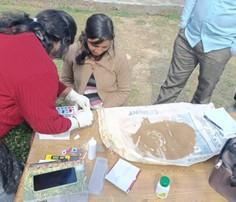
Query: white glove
[[74, 123], [85, 118], [76, 98]]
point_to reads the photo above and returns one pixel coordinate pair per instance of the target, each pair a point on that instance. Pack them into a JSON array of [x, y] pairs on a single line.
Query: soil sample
[[167, 139]]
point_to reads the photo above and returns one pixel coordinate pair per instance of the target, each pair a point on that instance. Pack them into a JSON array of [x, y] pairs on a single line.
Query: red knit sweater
[[29, 86]]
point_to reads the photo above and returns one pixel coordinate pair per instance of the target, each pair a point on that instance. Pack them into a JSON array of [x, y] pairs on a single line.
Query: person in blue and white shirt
[[207, 38]]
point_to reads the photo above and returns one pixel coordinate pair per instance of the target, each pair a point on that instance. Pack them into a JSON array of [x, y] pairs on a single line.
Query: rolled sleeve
[[186, 13]]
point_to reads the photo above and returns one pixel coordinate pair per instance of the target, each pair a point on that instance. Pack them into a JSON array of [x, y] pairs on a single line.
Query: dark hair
[[49, 26], [98, 26]]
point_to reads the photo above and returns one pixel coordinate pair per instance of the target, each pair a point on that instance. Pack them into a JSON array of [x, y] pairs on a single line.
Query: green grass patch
[[173, 16], [18, 141], [73, 10]]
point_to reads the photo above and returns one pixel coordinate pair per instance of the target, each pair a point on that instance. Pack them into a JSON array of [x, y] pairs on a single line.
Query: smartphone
[[54, 179]]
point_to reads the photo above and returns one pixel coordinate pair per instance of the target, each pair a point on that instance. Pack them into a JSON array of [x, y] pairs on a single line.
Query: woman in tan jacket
[[93, 66]]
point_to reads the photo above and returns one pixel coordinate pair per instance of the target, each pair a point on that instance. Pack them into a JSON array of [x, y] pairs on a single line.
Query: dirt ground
[[148, 40]]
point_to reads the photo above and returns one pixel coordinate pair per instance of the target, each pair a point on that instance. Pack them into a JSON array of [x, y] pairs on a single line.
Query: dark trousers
[[10, 173], [184, 61]]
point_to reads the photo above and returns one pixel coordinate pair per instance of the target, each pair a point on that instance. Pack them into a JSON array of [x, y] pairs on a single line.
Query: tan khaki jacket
[[111, 72]]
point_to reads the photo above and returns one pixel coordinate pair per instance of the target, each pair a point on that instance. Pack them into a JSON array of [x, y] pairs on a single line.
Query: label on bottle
[[162, 192]]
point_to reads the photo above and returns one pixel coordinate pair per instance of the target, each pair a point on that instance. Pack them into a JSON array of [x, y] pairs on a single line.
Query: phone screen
[[55, 178]]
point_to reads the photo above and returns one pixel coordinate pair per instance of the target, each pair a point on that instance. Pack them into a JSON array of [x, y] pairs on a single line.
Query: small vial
[[81, 174], [92, 147], [80, 167], [163, 187]]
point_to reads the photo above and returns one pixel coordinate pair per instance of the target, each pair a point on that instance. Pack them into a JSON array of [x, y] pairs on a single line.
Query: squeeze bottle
[[92, 146]]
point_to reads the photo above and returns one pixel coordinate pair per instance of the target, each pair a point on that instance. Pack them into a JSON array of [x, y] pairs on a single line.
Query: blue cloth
[[4, 197], [211, 21]]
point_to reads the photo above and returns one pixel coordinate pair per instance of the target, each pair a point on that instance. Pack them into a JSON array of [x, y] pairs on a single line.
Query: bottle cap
[[92, 141], [164, 181]]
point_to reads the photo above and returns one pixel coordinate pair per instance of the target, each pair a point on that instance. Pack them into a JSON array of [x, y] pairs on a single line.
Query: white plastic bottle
[[163, 187], [92, 147]]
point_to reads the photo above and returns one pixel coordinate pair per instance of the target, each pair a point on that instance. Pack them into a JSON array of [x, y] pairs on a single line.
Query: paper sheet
[[66, 111], [222, 120], [123, 174], [61, 136]]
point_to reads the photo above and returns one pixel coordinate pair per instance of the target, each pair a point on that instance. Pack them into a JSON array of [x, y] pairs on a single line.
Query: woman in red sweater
[[29, 83]]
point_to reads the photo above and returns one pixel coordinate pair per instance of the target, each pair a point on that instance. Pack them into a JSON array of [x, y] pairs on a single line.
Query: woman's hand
[[76, 98]]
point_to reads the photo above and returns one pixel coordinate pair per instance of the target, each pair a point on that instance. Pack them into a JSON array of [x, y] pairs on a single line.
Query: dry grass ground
[[148, 40]]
